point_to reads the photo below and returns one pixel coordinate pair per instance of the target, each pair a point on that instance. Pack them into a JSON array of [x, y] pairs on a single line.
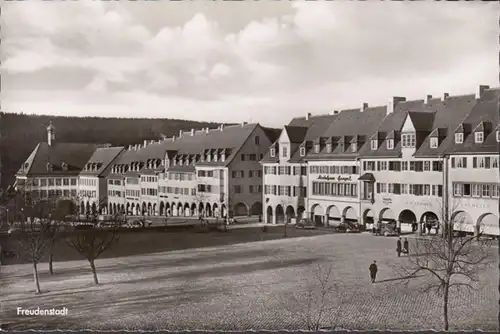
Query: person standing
[[405, 246], [398, 247], [373, 271]]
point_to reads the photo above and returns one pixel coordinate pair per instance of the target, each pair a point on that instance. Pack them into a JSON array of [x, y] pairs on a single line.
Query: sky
[[252, 61]]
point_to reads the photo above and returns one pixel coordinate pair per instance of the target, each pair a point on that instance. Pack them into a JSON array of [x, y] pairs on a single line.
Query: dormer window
[[215, 157], [374, 144], [434, 142], [354, 147], [408, 140], [459, 138], [49, 167], [64, 166], [390, 144], [223, 156], [209, 157], [303, 150], [329, 148], [478, 137], [316, 148], [272, 152], [284, 151]]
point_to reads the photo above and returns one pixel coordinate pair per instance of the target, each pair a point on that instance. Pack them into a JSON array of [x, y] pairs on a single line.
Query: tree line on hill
[[20, 133]]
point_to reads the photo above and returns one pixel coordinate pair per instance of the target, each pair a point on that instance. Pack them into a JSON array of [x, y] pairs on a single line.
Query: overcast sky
[[263, 61]]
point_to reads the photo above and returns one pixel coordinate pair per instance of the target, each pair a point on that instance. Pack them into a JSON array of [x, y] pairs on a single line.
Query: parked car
[[135, 224], [388, 229], [305, 224]]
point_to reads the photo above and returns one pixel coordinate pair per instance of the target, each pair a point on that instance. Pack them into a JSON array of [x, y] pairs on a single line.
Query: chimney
[[152, 141], [192, 132], [51, 134], [364, 106], [445, 96], [145, 143], [391, 106], [173, 138], [480, 90], [221, 127], [308, 116], [180, 133], [428, 98], [333, 112], [243, 124]]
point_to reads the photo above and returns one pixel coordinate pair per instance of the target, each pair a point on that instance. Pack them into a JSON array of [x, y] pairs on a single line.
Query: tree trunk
[[35, 276], [445, 307], [51, 258], [94, 272]]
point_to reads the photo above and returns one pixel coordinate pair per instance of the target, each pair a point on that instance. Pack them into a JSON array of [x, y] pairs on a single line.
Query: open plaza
[[253, 285]]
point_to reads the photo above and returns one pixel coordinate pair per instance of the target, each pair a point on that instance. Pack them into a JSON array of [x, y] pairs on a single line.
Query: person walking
[[398, 247], [373, 271], [405, 246]]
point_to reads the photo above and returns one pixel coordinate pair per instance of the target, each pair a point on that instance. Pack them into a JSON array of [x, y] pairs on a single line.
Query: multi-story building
[[285, 170], [206, 172], [52, 170], [472, 167], [333, 195], [93, 185]]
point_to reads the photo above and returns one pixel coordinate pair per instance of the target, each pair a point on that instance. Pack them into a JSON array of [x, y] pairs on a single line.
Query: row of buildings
[[409, 162]]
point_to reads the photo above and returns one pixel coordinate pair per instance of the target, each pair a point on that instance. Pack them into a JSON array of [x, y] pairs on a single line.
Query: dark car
[[305, 224]]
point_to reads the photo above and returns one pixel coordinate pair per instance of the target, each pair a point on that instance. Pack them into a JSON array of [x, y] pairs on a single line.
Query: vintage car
[[305, 224]]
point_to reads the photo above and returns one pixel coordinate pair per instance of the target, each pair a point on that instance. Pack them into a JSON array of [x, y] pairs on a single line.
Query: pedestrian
[[373, 271], [405, 246], [398, 247]]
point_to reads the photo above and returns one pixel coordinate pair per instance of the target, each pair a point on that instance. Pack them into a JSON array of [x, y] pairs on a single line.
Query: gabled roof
[[350, 122], [296, 134], [74, 155], [103, 156], [484, 116], [422, 121], [449, 115]]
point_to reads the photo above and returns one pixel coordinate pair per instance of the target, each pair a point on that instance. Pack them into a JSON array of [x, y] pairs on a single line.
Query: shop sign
[[387, 200], [476, 206], [339, 178], [418, 203]]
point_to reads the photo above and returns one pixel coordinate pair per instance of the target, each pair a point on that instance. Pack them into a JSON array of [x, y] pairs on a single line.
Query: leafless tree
[[34, 225], [452, 261], [97, 238], [318, 303]]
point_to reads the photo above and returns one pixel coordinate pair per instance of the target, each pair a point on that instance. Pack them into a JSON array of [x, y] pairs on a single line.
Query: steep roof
[[230, 137], [349, 123], [103, 156], [449, 114], [74, 155], [296, 134], [484, 116]]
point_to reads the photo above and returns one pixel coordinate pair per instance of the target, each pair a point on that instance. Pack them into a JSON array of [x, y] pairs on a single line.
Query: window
[[434, 142], [316, 148], [257, 140], [58, 182], [478, 137], [243, 157], [329, 148], [390, 144], [494, 162], [498, 135], [408, 140], [284, 151], [354, 147], [457, 189], [272, 152], [466, 189], [494, 190], [252, 157], [427, 166], [374, 144], [476, 190], [302, 151], [486, 190], [459, 138]]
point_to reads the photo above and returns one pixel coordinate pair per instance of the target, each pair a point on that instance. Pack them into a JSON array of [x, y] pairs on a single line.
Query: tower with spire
[[51, 134]]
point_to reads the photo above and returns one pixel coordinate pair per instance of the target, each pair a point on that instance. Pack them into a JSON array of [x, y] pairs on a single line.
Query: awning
[[367, 177]]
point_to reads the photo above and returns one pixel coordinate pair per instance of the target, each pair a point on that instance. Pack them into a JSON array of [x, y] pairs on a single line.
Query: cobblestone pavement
[[242, 287]]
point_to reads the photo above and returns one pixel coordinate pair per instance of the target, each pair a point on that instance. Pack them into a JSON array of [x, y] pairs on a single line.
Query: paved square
[[240, 287]]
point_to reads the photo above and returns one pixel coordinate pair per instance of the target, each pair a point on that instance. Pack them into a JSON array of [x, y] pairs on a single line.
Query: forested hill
[[20, 133]]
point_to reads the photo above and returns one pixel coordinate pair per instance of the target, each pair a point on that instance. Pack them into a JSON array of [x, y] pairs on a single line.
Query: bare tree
[[97, 238], [34, 224], [452, 261], [319, 303]]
